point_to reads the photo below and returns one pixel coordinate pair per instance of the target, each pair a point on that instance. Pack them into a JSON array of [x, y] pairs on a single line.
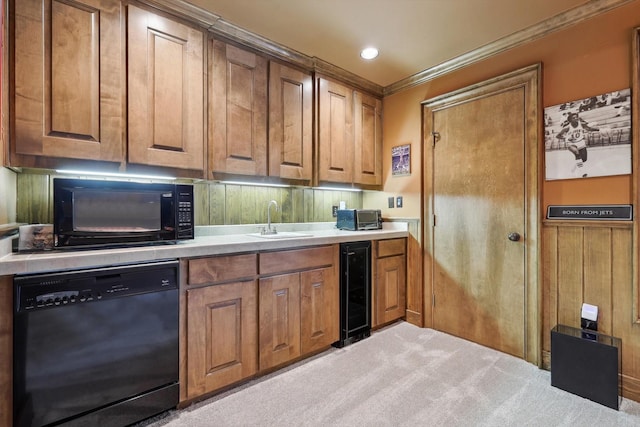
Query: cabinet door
[[279, 309], [368, 140], [319, 308], [335, 133], [238, 113], [221, 336], [290, 122], [69, 85], [391, 288], [166, 86]]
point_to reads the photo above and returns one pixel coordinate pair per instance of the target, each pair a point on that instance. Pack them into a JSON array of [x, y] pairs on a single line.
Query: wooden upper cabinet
[[290, 123], [69, 82], [238, 110], [368, 139], [166, 95], [335, 133]]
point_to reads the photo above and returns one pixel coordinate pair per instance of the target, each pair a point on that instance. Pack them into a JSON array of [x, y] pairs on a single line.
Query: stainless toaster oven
[[359, 219]]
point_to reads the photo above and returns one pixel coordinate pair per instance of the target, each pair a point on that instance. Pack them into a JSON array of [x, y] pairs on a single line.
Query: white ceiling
[[412, 35]]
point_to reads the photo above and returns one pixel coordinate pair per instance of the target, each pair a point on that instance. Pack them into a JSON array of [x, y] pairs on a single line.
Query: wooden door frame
[[528, 79], [635, 157]]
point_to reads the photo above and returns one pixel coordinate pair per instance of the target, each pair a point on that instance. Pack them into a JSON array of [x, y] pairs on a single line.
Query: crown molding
[[218, 26], [259, 43], [559, 22], [331, 70], [185, 10]]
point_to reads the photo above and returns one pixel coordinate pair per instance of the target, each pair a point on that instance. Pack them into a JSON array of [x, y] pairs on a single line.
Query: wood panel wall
[[7, 196], [216, 203], [592, 262]]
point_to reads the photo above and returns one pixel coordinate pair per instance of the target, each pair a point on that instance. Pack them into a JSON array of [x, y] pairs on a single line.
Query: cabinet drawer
[[391, 247], [298, 259], [221, 269]]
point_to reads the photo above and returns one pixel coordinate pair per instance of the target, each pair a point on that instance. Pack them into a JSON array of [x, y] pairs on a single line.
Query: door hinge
[[433, 222], [436, 137], [433, 300]]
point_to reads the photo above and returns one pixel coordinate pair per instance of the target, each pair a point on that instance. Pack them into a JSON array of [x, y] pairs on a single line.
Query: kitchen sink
[[281, 235]]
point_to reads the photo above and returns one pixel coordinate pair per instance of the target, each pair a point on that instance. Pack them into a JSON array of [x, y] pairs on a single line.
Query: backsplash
[[8, 196], [216, 203]]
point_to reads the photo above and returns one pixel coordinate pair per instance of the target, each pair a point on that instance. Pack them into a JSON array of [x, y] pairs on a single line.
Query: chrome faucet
[[268, 230]]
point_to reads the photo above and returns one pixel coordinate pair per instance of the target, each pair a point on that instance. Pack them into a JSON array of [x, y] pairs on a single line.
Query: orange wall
[[1, 82], [587, 59]]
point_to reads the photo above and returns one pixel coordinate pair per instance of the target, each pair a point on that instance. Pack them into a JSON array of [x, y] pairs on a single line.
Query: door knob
[[514, 237]]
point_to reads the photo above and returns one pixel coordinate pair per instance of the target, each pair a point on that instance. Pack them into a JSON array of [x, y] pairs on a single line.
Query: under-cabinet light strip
[[266, 184], [113, 174], [254, 184], [353, 190]]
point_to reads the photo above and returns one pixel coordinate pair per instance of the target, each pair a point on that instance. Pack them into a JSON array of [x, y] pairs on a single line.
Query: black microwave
[[93, 213], [359, 219]]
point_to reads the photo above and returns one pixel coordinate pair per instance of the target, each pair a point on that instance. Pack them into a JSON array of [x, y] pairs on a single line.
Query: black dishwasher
[[355, 292], [96, 346]]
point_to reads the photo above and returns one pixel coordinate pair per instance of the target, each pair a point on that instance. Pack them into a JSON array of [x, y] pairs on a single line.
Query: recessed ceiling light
[[369, 53]]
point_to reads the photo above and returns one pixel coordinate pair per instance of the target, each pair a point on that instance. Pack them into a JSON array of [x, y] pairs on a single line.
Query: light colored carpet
[[404, 376]]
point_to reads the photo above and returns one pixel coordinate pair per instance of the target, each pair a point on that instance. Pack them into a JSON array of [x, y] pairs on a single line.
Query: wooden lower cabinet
[[298, 310], [220, 325], [390, 281], [222, 336], [279, 319], [319, 308], [248, 313]]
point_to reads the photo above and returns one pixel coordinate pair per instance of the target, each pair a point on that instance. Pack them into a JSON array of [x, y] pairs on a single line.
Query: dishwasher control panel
[[43, 291]]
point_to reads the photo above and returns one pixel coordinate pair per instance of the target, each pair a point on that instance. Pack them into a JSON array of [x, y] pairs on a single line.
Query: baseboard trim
[[414, 318], [631, 388]]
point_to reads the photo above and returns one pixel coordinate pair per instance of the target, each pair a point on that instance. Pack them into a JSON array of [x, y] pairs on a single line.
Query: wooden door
[[221, 336], [484, 207], [69, 87], [319, 309], [165, 95], [290, 122], [279, 309], [238, 111], [335, 133], [368, 139]]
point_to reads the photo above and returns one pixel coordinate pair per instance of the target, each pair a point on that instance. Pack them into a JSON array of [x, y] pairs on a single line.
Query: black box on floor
[[588, 367]]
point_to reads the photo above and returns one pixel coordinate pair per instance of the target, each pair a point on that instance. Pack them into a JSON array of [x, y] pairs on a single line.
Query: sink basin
[[281, 235]]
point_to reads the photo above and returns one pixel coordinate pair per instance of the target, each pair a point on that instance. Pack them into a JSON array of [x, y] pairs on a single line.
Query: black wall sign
[[591, 212]]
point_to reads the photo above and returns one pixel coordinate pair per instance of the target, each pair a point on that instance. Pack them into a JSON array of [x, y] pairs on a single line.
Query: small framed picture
[[401, 160]]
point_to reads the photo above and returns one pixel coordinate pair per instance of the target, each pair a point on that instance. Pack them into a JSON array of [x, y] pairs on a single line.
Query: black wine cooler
[[355, 292]]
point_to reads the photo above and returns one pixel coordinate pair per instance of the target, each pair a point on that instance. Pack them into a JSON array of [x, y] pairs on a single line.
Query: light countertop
[[210, 240]]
